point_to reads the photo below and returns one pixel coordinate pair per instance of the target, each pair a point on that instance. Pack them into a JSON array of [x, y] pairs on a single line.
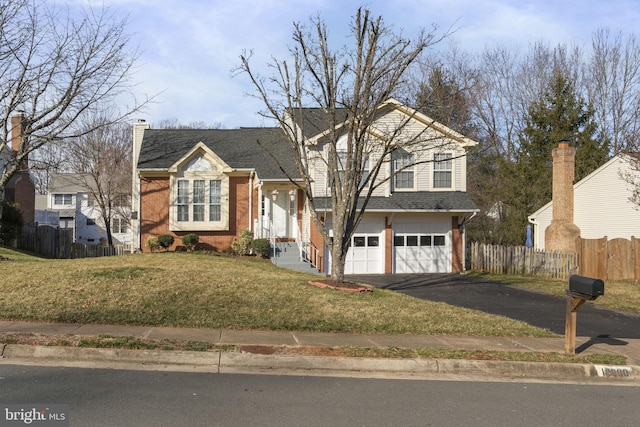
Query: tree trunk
[[338, 258]]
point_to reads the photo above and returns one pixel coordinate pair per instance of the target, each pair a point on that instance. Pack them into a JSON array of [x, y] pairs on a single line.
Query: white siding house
[[601, 205], [69, 196]]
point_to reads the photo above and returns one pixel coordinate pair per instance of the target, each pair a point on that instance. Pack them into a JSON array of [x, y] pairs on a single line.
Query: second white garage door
[[422, 247]]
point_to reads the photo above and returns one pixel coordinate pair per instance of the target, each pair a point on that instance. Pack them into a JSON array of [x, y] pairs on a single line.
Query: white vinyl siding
[[617, 218]]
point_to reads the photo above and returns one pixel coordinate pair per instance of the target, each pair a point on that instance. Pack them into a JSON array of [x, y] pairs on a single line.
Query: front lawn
[[204, 290], [622, 295]]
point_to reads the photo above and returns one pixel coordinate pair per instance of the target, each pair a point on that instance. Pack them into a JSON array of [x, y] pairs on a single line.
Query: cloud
[[189, 47]]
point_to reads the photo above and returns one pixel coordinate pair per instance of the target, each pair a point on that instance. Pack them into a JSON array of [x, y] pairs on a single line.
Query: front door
[[283, 214]]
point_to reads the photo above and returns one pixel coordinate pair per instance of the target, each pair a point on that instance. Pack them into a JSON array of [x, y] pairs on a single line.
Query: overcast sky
[[189, 47]]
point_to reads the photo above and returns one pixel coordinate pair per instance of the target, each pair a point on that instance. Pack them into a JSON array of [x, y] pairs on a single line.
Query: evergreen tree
[[561, 115], [443, 98]]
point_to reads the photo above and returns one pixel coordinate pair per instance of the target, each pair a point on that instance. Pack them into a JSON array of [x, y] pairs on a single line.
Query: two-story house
[[71, 198], [218, 183]]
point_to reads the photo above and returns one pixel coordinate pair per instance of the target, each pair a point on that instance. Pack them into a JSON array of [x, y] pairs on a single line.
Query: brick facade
[[154, 213]]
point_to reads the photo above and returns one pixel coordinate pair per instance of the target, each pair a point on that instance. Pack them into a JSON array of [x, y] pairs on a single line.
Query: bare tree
[[101, 159], [348, 86], [614, 87], [48, 160], [174, 123], [55, 70]]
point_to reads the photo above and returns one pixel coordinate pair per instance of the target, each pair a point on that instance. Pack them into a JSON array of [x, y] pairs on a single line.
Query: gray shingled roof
[[316, 121], [437, 201], [70, 183], [239, 148]]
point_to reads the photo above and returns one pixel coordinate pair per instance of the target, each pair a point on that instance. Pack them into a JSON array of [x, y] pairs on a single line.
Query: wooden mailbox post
[[581, 289]]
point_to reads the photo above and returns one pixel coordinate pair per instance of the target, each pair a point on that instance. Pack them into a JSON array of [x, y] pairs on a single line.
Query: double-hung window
[[215, 200], [403, 166], [62, 199], [118, 225], [442, 170], [198, 200], [183, 200], [342, 166]]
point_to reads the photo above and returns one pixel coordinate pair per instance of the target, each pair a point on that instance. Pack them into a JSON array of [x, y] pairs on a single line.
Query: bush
[[10, 222], [153, 244], [190, 241], [242, 246], [261, 248], [165, 240]]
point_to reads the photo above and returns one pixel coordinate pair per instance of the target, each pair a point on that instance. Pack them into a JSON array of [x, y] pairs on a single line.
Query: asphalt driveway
[[534, 308]]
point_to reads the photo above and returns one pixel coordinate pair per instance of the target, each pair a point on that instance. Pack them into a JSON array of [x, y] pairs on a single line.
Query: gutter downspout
[[534, 232], [251, 228], [260, 210]]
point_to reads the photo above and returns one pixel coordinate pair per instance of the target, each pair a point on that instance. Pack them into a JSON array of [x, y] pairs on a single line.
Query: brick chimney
[[16, 138], [20, 189], [561, 234]]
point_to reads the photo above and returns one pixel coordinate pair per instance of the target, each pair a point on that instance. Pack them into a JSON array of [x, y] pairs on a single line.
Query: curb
[[232, 362], [83, 356]]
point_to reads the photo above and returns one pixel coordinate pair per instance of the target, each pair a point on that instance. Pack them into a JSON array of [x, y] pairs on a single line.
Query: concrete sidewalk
[[248, 360]]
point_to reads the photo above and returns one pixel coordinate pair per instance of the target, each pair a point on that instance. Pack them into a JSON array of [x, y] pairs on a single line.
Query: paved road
[[102, 397], [534, 308]]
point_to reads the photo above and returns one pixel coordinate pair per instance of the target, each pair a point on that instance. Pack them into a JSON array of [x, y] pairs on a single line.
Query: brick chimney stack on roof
[[562, 233]]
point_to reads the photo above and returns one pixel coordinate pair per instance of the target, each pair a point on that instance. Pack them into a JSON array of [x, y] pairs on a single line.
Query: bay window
[[192, 202]]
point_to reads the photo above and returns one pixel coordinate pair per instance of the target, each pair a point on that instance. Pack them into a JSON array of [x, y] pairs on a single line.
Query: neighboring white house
[[602, 205], [71, 199]]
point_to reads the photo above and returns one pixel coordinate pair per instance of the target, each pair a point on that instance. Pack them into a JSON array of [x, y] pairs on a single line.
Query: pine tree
[[561, 115]]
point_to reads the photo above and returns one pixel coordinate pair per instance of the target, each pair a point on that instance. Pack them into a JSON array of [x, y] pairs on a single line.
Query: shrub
[[261, 247], [153, 244], [165, 240], [10, 222], [190, 241], [242, 246]]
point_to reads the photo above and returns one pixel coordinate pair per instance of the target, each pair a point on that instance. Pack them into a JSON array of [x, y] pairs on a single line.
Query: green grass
[[511, 356], [132, 343], [204, 290], [621, 295]]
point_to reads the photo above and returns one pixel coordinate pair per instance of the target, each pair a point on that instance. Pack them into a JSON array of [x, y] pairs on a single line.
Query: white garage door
[[422, 247], [365, 253]]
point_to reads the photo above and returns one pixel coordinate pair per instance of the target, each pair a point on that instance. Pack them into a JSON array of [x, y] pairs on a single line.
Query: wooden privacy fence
[[55, 242], [522, 260], [615, 259]]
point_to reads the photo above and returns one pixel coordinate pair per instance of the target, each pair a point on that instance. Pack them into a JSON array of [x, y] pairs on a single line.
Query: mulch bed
[[341, 286]]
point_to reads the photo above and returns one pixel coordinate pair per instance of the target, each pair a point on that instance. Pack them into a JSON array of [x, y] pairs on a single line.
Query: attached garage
[[422, 246], [366, 254]]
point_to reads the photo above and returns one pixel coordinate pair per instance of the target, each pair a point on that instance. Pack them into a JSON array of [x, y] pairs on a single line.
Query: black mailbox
[[586, 286]]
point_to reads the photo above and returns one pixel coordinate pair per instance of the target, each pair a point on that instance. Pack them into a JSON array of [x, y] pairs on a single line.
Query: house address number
[[610, 371]]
